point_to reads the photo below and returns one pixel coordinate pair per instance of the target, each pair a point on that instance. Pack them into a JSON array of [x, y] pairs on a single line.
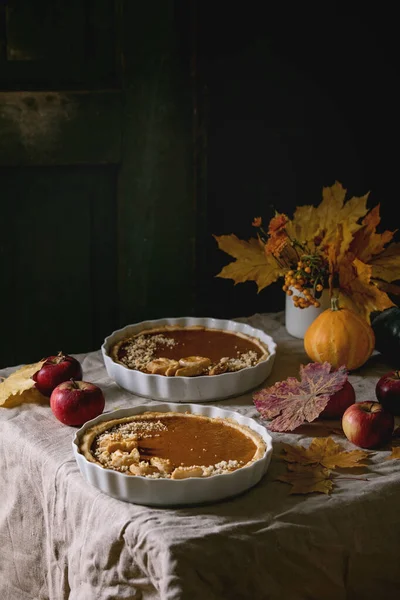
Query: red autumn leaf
[[292, 403]]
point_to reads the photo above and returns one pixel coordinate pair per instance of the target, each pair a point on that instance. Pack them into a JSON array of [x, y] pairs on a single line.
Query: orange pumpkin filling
[[172, 445], [189, 351]]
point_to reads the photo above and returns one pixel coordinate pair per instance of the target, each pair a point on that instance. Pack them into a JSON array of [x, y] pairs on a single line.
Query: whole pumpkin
[[341, 337]]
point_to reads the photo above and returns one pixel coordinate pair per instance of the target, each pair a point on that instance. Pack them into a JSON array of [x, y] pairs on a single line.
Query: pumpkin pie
[[171, 445], [188, 351]]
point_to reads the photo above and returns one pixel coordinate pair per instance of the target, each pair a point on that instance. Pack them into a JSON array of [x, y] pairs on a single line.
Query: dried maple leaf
[[386, 265], [310, 222], [251, 264], [360, 292], [305, 479], [395, 453], [291, 403], [334, 210], [366, 242], [389, 288], [334, 254], [325, 452], [19, 387]]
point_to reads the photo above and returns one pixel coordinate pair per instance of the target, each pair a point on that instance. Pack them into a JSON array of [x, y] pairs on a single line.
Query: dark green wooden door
[[95, 160]]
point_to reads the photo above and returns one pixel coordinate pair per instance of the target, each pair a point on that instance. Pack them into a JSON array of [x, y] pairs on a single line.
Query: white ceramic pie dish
[[203, 388], [173, 492]]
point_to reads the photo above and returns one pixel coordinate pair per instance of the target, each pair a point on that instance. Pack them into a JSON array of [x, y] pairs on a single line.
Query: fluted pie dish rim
[[169, 492], [202, 388]]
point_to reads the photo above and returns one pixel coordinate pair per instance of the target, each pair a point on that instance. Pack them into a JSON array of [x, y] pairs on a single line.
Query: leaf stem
[[353, 478]]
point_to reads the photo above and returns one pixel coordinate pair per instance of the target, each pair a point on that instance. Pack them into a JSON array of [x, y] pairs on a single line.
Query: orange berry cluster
[[308, 280]]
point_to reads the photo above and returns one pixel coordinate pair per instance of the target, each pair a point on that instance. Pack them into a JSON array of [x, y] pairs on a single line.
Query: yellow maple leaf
[[305, 225], [395, 454], [19, 387], [305, 479], [251, 264], [334, 210], [358, 291], [341, 237], [353, 210], [325, 452], [310, 222]]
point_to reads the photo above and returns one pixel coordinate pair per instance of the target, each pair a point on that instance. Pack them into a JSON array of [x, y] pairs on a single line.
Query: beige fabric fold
[[61, 539]]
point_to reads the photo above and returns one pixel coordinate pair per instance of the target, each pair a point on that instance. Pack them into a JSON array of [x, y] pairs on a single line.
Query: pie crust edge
[[114, 349], [88, 437]]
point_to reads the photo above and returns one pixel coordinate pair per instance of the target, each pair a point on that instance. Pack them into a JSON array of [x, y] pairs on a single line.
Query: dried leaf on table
[[19, 387], [325, 452], [292, 403], [395, 453], [251, 264], [305, 479]]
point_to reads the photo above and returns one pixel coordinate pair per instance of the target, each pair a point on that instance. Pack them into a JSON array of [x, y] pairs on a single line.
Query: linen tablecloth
[[61, 538]]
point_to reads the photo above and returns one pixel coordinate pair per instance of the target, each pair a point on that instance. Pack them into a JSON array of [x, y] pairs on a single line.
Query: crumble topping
[[140, 350], [248, 359]]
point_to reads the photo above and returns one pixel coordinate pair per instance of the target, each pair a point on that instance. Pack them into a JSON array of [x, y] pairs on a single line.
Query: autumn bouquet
[[334, 246]]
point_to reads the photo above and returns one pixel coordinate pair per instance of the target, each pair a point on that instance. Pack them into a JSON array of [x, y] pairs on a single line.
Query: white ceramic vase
[[298, 320]]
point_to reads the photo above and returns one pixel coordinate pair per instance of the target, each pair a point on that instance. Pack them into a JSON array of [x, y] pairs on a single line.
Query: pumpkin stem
[[335, 303]]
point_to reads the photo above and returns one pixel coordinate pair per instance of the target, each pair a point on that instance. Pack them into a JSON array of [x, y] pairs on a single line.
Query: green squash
[[386, 326]]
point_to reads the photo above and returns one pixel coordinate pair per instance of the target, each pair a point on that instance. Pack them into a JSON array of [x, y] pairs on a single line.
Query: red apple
[[55, 370], [368, 424], [75, 402], [339, 401], [388, 392]]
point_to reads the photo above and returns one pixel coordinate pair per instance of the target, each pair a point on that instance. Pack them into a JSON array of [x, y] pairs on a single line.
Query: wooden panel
[[3, 35], [7, 273], [40, 30], [67, 214], [61, 127], [67, 43], [58, 260], [56, 128], [103, 254], [156, 198]]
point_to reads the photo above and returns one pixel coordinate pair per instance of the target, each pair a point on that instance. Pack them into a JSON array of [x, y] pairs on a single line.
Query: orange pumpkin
[[341, 337]]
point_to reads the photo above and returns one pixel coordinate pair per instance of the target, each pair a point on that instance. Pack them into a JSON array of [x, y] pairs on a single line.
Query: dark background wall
[[130, 132], [300, 95]]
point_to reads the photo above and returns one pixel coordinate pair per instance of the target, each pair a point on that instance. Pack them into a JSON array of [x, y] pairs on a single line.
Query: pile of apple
[[72, 400], [367, 424]]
